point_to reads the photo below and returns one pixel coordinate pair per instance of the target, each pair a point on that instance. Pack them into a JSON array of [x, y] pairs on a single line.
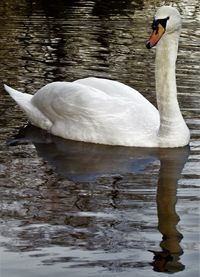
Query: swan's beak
[[155, 36]]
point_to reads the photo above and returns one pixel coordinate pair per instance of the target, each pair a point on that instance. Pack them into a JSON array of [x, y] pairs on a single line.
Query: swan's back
[[112, 88]]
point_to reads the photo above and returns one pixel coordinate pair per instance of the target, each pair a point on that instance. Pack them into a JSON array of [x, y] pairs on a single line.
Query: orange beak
[[155, 36]]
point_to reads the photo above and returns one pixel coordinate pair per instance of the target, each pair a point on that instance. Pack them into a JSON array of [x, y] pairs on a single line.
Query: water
[[75, 209]]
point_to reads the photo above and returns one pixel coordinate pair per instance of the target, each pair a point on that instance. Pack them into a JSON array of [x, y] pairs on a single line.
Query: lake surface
[[77, 209]]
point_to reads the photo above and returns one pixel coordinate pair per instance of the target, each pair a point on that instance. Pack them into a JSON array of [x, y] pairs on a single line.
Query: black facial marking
[[156, 22]]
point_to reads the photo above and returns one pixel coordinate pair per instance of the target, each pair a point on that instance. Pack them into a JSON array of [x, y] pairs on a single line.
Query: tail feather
[[22, 99], [36, 117]]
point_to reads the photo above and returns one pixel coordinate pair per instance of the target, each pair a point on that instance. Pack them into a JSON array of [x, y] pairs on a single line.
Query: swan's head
[[167, 20]]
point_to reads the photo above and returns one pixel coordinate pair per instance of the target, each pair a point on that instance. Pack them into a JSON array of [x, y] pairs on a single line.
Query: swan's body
[[108, 112]]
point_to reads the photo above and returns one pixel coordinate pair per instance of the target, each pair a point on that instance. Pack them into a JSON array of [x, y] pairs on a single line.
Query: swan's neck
[[171, 120]]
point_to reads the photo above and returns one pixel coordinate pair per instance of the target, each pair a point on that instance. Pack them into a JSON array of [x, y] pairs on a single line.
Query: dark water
[[76, 209]]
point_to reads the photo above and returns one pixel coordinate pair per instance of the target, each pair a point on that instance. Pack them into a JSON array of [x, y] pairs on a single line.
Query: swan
[[108, 112]]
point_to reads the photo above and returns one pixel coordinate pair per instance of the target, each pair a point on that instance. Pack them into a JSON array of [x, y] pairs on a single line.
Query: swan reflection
[[85, 163], [80, 161], [172, 163]]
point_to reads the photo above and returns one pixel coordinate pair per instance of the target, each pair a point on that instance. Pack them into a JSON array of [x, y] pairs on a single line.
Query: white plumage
[[109, 112]]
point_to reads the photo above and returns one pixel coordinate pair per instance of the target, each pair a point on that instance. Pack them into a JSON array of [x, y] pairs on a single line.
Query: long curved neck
[[166, 54]]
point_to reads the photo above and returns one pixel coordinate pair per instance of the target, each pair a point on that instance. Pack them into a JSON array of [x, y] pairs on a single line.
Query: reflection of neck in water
[[172, 163]]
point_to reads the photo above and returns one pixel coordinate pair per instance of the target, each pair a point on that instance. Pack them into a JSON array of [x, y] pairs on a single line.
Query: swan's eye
[[154, 24]]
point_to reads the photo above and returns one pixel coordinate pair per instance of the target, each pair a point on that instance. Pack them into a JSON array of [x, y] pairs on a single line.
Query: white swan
[[108, 112]]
